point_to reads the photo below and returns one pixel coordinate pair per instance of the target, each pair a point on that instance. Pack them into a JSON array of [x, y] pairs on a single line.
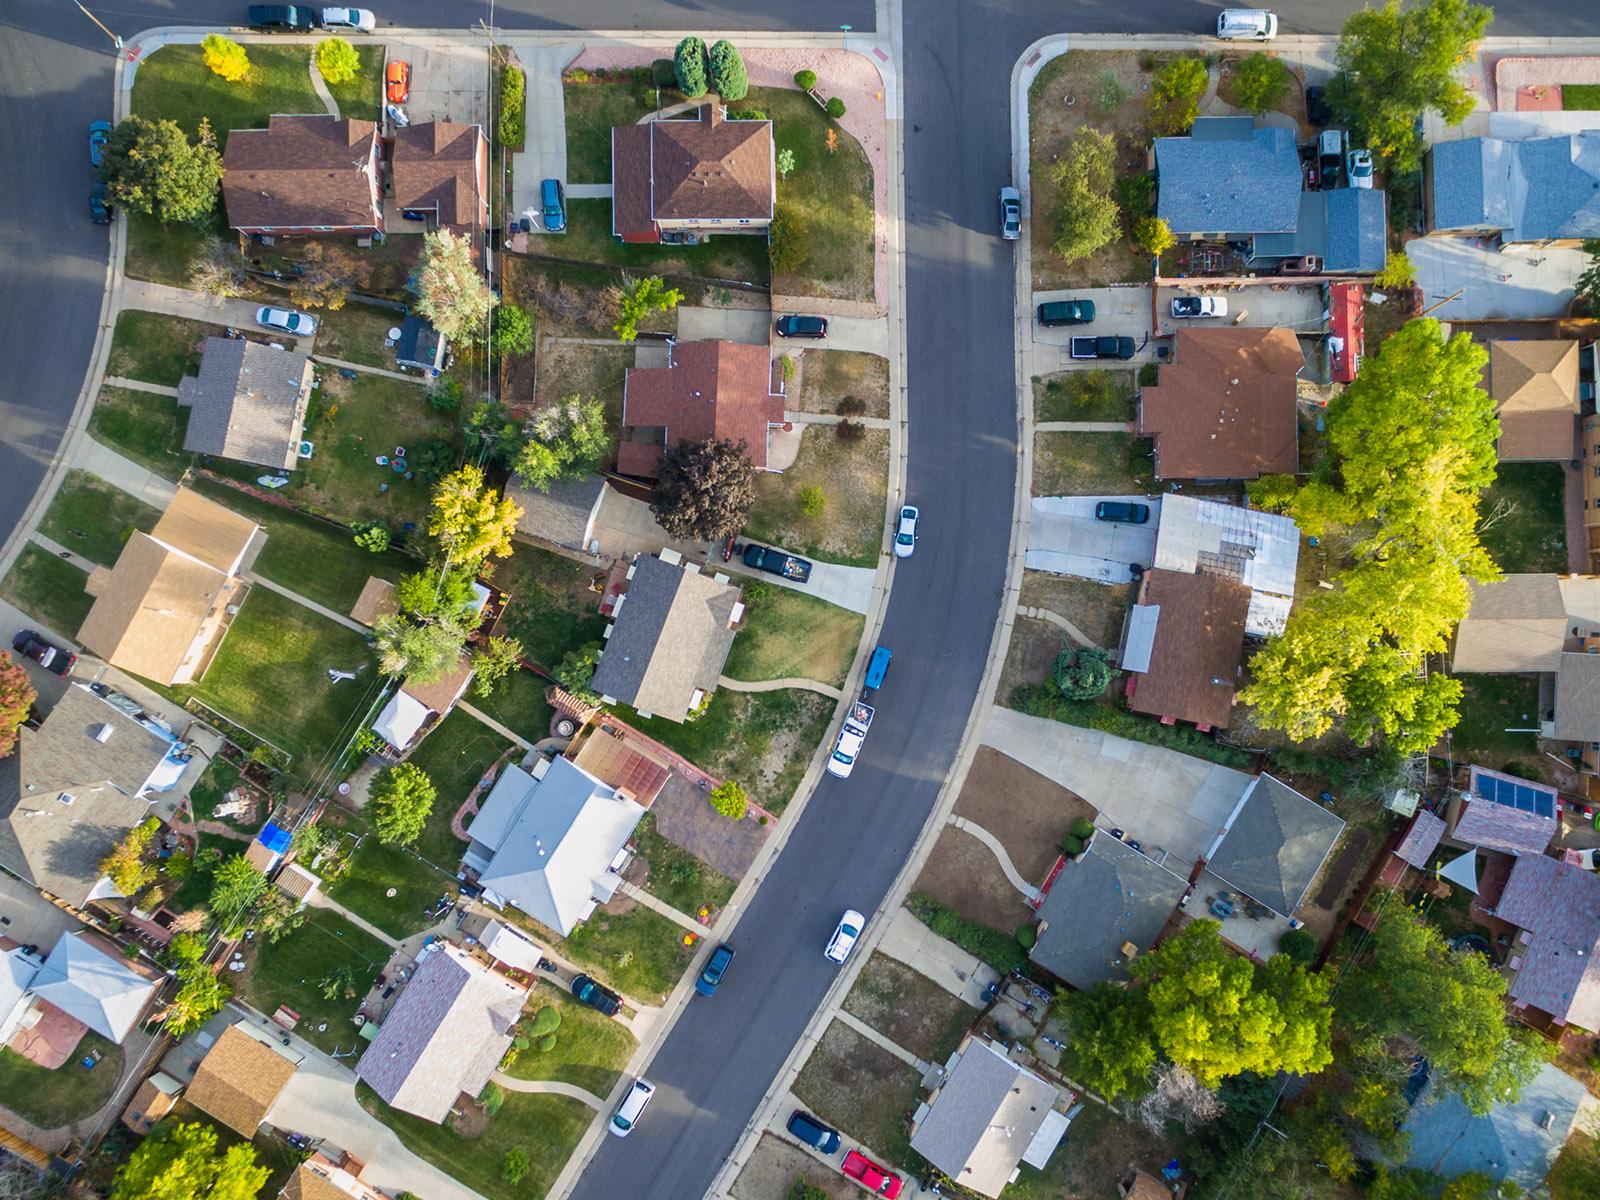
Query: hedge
[[1000, 950], [513, 102], [1047, 702]]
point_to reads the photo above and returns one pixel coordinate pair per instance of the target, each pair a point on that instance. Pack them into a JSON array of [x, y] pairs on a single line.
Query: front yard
[[635, 949], [298, 970], [592, 109], [48, 589], [146, 428], [1097, 609], [675, 875], [862, 1090], [741, 257], [456, 754], [362, 96], [1093, 395], [909, 1009], [93, 519], [1090, 464], [1524, 511], [590, 1049], [157, 348], [854, 477], [67, 1094], [829, 378], [788, 634], [174, 82], [166, 253]]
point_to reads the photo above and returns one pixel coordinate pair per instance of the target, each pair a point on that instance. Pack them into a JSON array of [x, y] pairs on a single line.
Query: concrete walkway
[[807, 418], [778, 685], [1060, 622], [848, 587], [320, 87], [909, 941], [701, 323], [549, 1087], [306, 602], [588, 191], [320, 899], [544, 146], [179, 302], [634, 892], [139, 385], [83, 564], [1082, 426], [90, 455], [878, 1039], [1013, 876], [502, 730], [343, 365]]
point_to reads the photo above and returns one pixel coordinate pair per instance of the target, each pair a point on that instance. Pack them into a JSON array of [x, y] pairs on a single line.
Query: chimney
[[711, 114]]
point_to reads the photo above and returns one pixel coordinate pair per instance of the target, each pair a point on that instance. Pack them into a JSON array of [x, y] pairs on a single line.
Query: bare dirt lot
[[776, 1165], [1097, 609], [909, 1009], [963, 874], [861, 1089], [828, 377], [1029, 813], [1034, 646]]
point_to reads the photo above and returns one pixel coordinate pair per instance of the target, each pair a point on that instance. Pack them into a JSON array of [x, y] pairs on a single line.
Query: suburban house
[[1517, 1142], [77, 785], [1184, 641], [421, 347], [416, 708], [724, 390], [162, 611], [1225, 407], [985, 1117], [677, 179], [1502, 813], [551, 842], [330, 1174], [564, 516], [444, 1036], [1534, 181], [670, 635], [1101, 910], [1556, 906], [1534, 384], [1230, 180], [440, 174], [1273, 846], [87, 983], [304, 175], [248, 402], [240, 1079], [156, 1097], [1258, 549]]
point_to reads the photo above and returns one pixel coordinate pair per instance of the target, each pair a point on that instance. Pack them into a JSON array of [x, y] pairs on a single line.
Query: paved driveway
[[1122, 311], [1065, 539], [1172, 802], [1523, 283], [448, 82], [752, 326]]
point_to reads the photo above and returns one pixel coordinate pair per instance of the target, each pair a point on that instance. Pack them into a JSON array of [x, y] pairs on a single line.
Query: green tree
[[1081, 672], [470, 520], [225, 57], [182, 1162], [513, 106], [785, 163], [1395, 64], [492, 434], [834, 108], [494, 660], [402, 797], [1397, 272], [575, 671], [422, 651], [152, 167], [1260, 82], [1110, 1045], [436, 590], [728, 77], [372, 536], [235, 888], [787, 241], [445, 394], [449, 290], [337, 60], [1175, 94], [704, 490], [729, 799], [568, 440], [513, 331], [277, 915], [200, 996], [126, 866], [1085, 215], [1298, 945], [1153, 235], [1475, 1185], [689, 65], [1588, 286], [514, 1167], [811, 501], [641, 297], [16, 701]]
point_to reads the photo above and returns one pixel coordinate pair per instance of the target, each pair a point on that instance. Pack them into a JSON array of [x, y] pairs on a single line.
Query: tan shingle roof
[[1516, 624], [239, 1081], [1535, 389], [377, 599], [302, 172]]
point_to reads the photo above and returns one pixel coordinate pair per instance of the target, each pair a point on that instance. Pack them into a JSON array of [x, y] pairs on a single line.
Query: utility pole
[[117, 41]]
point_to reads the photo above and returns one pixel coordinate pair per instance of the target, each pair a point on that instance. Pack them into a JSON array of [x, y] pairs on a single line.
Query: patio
[[1249, 927], [52, 1040]]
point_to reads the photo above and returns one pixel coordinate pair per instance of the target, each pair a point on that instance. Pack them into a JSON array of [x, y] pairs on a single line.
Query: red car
[[870, 1175], [398, 82]]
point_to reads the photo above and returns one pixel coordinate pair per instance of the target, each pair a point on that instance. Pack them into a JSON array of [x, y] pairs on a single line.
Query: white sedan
[[905, 538], [286, 321], [845, 937], [360, 19]]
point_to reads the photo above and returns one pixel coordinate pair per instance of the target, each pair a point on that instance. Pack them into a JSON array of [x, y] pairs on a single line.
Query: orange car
[[398, 81]]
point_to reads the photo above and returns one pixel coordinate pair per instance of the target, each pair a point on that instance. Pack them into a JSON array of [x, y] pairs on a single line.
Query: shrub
[[786, 365], [811, 501], [1112, 93], [1072, 846], [1153, 235], [514, 1166], [545, 1044], [1085, 215], [1397, 273], [576, 75], [1299, 944], [850, 431], [337, 60], [851, 406], [1000, 950], [546, 1020], [662, 73], [785, 163], [492, 1098], [1081, 672], [689, 67], [1149, 375], [805, 80], [1027, 936], [1260, 82], [513, 107], [373, 536], [445, 395], [1136, 195], [1175, 94], [728, 76], [226, 57], [786, 242], [729, 799], [747, 114], [835, 107], [1083, 828], [1049, 703]]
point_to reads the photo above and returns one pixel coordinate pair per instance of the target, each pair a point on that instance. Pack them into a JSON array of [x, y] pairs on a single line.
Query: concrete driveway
[[1522, 283], [1065, 539], [751, 326], [848, 587], [1173, 803], [1120, 311], [448, 82], [1296, 306], [867, 334]]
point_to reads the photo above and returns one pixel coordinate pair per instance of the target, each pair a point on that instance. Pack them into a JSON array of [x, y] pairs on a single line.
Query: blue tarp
[[273, 838]]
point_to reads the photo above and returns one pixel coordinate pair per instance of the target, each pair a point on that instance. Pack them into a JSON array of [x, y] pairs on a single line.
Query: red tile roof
[[710, 390], [1199, 638], [303, 173]]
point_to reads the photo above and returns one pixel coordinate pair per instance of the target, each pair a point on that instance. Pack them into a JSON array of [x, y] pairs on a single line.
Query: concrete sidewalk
[[131, 477], [910, 941]]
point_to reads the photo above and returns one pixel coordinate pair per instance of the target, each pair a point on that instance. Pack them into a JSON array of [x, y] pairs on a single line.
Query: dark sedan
[[51, 657], [802, 327], [99, 205], [596, 995], [99, 134]]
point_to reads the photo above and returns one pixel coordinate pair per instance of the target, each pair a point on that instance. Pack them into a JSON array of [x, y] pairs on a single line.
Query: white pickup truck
[[851, 735]]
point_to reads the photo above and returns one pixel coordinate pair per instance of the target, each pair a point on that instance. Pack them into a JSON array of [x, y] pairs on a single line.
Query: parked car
[[1010, 213], [776, 562], [716, 966], [1246, 25], [905, 538], [1330, 156], [1318, 112], [99, 205], [1066, 312], [631, 1108], [870, 1175], [802, 327], [852, 736], [49, 656], [1102, 347], [397, 82], [1125, 512], [553, 200], [99, 134], [596, 995], [1358, 168], [281, 18], [359, 19], [877, 668], [845, 936], [1199, 306], [806, 1128], [283, 319]]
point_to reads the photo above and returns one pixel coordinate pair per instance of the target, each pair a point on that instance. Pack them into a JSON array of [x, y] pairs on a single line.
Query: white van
[[631, 1108], [1247, 25]]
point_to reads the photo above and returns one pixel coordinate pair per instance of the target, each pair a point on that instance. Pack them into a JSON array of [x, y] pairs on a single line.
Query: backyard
[[518, 703], [456, 754], [1491, 705], [1090, 464], [863, 1090], [788, 634], [147, 428], [853, 474], [1093, 395], [157, 348], [48, 589], [551, 609], [69, 1093], [1524, 517], [590, 1049], [565, 368], [375, 870], [356, 333], [94, 519], [592, 109], [828, 378], [299, 970]]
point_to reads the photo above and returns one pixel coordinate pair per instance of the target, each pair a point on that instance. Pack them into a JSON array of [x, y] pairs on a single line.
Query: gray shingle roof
[[1346, 228], [1471, 184], [1559, 904], [248, 402], [99, 988], [1578, 698], [563, 516], [1517, 623], [1275, 845], [1110, 896], [1559, 187], [1217, 181]]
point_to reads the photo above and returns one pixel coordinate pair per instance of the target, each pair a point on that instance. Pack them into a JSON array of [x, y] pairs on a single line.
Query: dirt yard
[[854, 478], [909, 1009], [1092, 1158], [862, 1090], [1034, 646], [1097, 609], [776, 1165], [566, 368], [829, 377], [962, 873], [1029, 813]]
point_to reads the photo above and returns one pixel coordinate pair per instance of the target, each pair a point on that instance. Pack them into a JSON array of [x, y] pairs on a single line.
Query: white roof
[[17, 971], [510, 946], [400, 719], [1259, 549], [98, 989], [1141, 637], [1046, 1139]]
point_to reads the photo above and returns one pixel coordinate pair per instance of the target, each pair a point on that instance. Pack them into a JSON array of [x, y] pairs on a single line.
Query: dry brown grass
[[1029, 812], [908, 1008], [828, 377], [963, 873], [853, 475], [1034, 646], [1098, 609]]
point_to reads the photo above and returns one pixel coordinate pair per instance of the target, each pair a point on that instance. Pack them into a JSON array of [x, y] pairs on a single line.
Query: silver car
[[360, 19], [1010, 213], [286, 321]]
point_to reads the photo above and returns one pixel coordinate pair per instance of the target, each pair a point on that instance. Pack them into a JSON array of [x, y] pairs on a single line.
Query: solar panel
[[1515, 794]]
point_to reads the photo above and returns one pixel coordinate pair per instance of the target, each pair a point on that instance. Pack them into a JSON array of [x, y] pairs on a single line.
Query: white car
[[1247, 25], [845, 937], [349, 18], [286, 321], [631, 1108], [1358, 166], [905, 538], [1199, 306]]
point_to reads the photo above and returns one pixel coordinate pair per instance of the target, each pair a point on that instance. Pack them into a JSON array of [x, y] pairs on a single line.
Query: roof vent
[[103, 733], [1547, 1120], [66, 797]]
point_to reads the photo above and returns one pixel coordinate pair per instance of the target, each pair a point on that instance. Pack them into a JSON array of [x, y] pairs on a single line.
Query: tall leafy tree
[[235, 888], [566, 441], [470, 521], [337, 60], [182, 1162], [449, 290], [1085, 216], [513, 330], [16, 701], [1110, 1046], [704, 490], [127, 867], [152, 167], [1396, 63], [728, 77], [422, 650], [689, 66], [495, 659], [401, 799]]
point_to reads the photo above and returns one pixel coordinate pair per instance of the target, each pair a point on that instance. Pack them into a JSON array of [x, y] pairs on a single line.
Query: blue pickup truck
[[776, 562]]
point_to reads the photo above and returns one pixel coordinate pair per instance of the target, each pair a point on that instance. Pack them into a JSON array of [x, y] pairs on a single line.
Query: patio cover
[[1463, 871]]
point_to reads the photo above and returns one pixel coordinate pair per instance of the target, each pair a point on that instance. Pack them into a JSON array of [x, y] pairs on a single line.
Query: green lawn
[[356, 332], [156, 348], [288, 972], [271, 676], [456, 754], [309, 556], [361, 97], [175, 82], [551, 610], [1089, 464], [1580, 96], [518, 703], [588, 239], [69, 1093], [854, 478], [639, 952], [1095, 395], [790, 634], [145, 428], [375, 869], [166, 253], [828, 195], [591, 111], [48, 589], [220, 777], [678, 877], [93, 519], [1490, 705], [545, 1128], [1531, 535], [590, 1049]]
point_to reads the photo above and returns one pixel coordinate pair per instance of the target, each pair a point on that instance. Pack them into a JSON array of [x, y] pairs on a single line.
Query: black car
[[52, 658], [1318, 113], [99, 205], [776, 562], [596, 995], [802, 327], [1066, 312], [284, 18], [1122, 511], [813, 1132]]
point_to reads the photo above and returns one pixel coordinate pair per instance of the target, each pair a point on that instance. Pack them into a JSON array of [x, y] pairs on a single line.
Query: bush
[[373, 536], [1111, 93], [1397, 273], [835, 108], [226, 57], [748, 114], [663, 74], [851, 406], [1299, 944], [492, 1098], [513, 107], [1136, 195], [1083, 828], [337, 60], [729, 799], [729, 79], [787, 366], [546, 1020], [1081, 672], [850, 431], [805, 80], [689, 67], [1260, 82], [786, 242], [545, 1044], [1153, 235], [1000, 950], [514, 1166], [1149, 374], [1027, 936], [1085, 216], [812, 502], [1047, 702], [1072, 846]]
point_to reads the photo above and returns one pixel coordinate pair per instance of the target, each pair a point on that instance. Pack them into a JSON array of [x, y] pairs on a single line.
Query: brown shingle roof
[[1199, 638], [440, 695], [1535, 389], [239, 1080], [441, 166], [377, 599], [1225, 406], [711, 167], [630, 184], [303, 172], [711, 390]]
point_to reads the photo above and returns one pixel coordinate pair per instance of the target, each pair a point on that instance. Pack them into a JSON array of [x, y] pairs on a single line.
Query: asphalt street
[[854, 835]]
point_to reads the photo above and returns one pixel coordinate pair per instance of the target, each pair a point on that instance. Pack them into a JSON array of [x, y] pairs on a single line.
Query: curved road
[[854, 835]]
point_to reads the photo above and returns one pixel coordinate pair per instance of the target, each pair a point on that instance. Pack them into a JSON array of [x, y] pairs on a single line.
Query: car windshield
[[849, 930], [622, 1122], [904, 537]]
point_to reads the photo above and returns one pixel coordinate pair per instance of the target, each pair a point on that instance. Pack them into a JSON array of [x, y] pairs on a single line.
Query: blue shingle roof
[[1469, 184], [1356, 230], [1560, 187], [1221, 182]]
